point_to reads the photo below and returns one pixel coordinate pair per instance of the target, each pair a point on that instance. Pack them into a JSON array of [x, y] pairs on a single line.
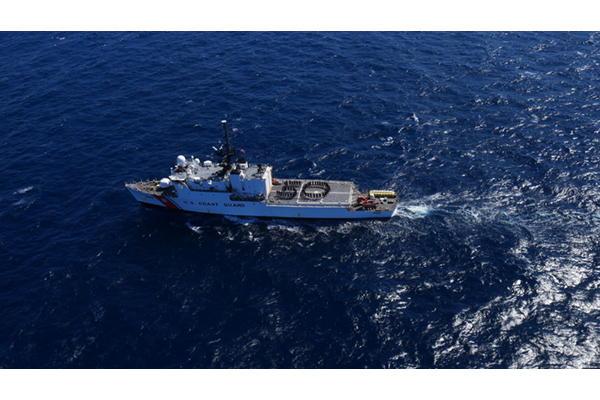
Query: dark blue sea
[[491, 140]]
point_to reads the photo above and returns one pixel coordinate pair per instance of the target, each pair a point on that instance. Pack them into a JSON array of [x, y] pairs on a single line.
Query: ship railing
[[208, 190], [307, 204]]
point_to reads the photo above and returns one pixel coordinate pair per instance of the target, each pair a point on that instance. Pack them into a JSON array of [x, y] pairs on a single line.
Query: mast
[[226, 150]]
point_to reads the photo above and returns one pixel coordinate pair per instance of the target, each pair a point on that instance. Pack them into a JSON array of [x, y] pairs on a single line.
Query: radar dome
[[165, 183]]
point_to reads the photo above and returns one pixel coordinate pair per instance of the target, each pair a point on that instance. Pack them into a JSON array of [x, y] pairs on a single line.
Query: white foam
[[414, 211], [24, 190], [283, 225], [197, 229]]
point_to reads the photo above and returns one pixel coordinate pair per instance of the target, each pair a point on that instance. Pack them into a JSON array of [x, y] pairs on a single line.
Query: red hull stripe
[[167, 202]]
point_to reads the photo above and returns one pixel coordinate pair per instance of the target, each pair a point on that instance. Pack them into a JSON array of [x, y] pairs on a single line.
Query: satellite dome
[[165, 183]]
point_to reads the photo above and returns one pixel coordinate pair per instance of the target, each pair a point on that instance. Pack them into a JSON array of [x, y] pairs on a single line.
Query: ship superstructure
[[242, 189]]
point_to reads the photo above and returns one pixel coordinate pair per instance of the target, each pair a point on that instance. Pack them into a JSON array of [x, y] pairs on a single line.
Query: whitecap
[[283, 225], [197, 229], [24, 190], [388, 141]]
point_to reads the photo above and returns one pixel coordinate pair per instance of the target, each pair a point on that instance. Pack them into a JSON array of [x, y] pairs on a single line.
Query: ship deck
[[313, 192]]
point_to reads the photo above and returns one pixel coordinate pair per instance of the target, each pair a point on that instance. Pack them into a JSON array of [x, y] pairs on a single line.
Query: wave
[[24, 190]]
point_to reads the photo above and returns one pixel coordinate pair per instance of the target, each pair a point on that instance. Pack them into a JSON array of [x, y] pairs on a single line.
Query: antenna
[[262, 140], [226, 150], [265, 151]]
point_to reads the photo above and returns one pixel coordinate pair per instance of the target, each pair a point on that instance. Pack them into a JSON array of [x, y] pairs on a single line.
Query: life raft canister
[[382, 193]]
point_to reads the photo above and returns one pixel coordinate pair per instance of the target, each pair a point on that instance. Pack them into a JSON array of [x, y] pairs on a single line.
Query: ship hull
[[221, 204]]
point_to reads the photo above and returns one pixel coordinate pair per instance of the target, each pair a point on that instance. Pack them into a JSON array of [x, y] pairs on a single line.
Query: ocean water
[[490, 139]]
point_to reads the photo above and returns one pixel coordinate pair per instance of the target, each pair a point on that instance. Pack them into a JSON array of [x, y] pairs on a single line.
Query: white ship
[[242, 189]]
